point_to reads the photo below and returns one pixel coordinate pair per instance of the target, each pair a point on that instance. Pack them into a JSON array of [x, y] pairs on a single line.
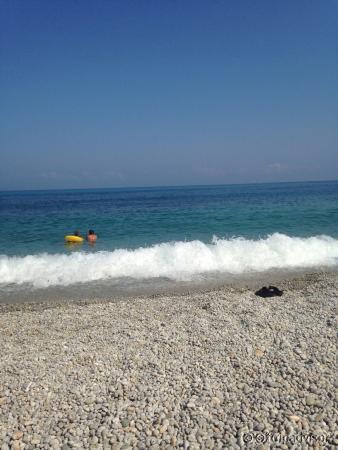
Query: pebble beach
[[212, 369]]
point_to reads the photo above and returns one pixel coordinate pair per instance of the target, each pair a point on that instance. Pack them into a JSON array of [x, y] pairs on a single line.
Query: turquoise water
[[36, 221], [167, 232]]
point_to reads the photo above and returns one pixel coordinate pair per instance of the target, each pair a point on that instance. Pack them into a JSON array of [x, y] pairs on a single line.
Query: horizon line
[[165, 186]]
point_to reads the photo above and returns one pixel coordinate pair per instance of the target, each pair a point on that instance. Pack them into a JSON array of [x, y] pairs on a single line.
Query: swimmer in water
[[91, 236]]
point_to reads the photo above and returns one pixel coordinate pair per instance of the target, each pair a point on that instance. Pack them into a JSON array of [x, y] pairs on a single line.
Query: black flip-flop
[[271, 291]]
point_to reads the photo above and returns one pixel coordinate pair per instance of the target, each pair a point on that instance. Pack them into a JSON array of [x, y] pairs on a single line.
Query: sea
[[163, 237]]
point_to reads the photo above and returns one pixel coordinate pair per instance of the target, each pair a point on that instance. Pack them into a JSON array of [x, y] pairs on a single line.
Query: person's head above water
[[76, 233], [91, 236]]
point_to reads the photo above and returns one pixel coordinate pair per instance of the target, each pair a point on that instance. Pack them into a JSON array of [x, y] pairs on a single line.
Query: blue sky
[[140, 93]]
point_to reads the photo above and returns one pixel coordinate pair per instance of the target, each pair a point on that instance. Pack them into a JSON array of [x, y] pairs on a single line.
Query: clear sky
[[106, 93]]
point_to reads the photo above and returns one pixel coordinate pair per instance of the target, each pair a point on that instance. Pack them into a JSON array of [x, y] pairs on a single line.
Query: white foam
[[175, 260]]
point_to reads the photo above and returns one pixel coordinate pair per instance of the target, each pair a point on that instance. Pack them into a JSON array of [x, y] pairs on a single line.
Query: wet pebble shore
[[217, 369]]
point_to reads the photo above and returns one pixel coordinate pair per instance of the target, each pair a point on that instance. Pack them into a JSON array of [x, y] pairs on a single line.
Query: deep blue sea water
[[166, 232]]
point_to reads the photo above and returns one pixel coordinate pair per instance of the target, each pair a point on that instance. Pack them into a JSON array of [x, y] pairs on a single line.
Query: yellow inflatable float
[[74, 239]]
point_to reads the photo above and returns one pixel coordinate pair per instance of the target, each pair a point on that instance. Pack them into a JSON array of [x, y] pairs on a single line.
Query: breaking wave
[[179, 261]]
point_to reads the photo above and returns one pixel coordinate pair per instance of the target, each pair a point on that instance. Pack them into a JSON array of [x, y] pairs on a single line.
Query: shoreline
[[82, 293], [197, 370]]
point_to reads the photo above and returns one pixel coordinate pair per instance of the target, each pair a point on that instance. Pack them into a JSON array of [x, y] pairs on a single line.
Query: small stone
[[310, 400], [271, 383], [289, 429], [165, 425], [258, 426], [17, 445], [139, 426], [163, 429], [246, 389], [17, 435], [55, 444], [319, 417], [309, 361], [173, 440], [35, 440], [215, 401], [294, 418], [259, 353], [125, 423]]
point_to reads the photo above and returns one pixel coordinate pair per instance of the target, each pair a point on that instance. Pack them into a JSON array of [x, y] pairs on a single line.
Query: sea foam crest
[[175, 260]]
